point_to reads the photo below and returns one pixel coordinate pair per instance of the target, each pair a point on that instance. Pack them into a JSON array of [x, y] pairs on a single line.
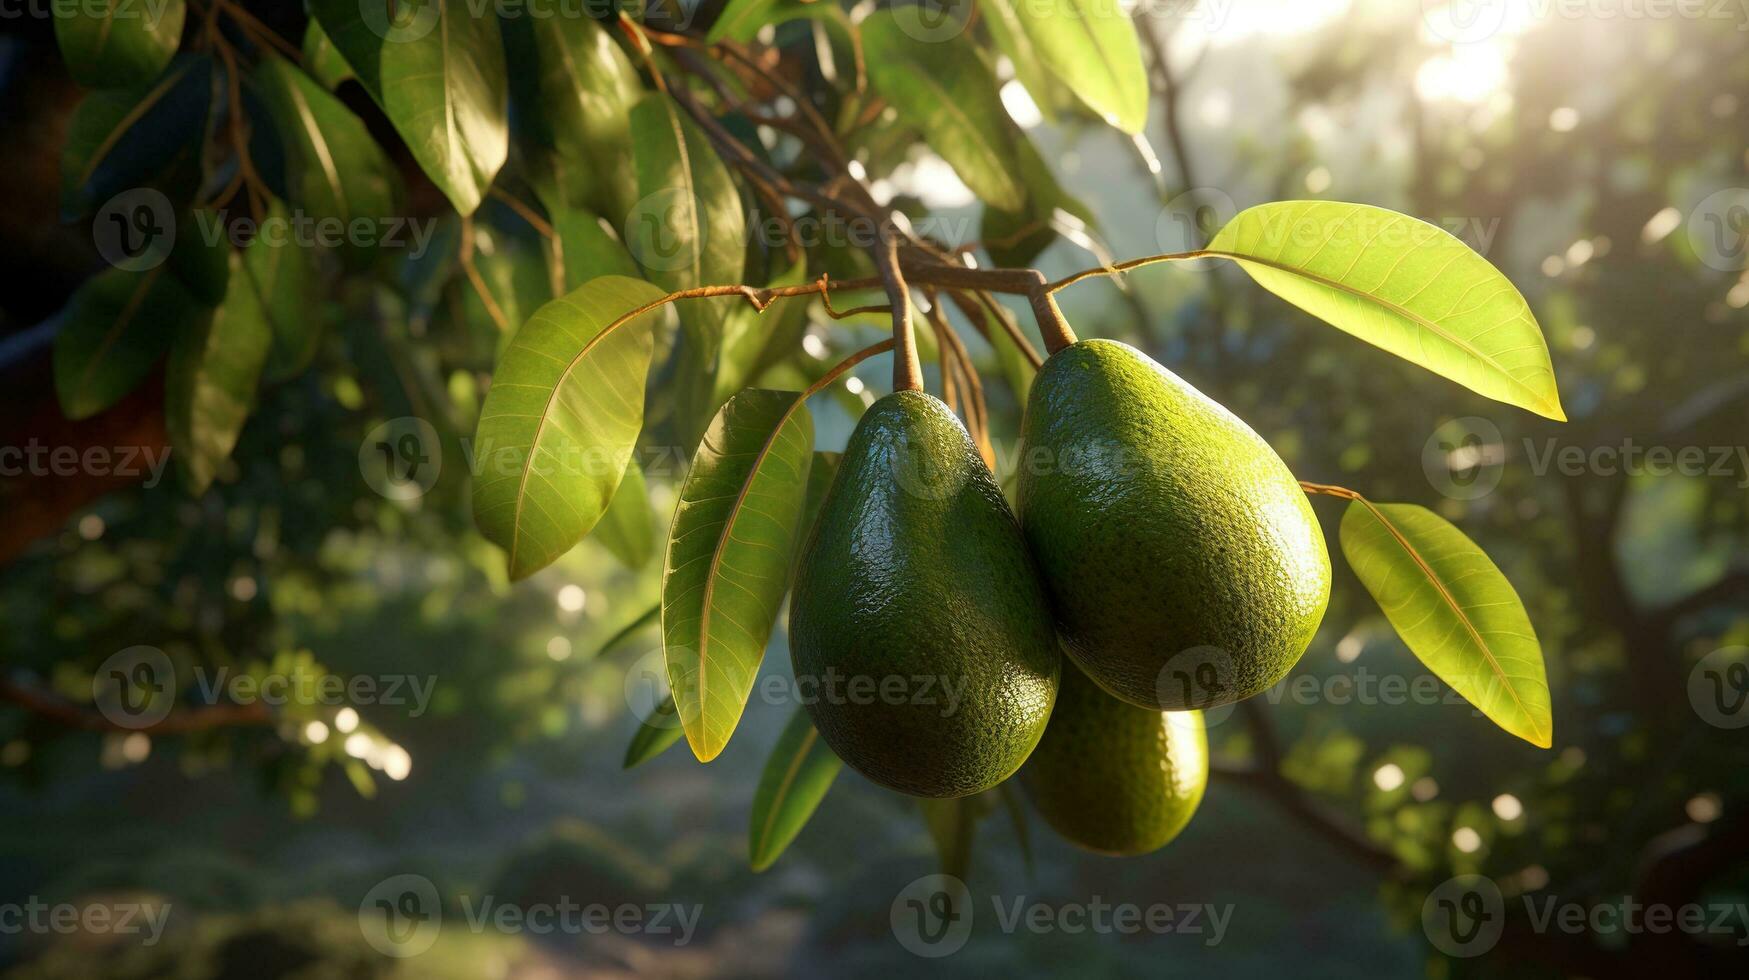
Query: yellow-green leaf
[[945, 89], [628, 529], [116, 43], [729, 557], [1454, 610], [1090, 46], [561, 419], [1403, 285], [656, 733], [797, 775]]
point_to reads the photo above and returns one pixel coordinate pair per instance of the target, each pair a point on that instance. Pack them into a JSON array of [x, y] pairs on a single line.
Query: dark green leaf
[[561, 419], [285, 276], [945, 89], [1454, 609], [322, 59], [116, 327], [336, 170], [655, 735], [209, 385], [797, 775], [953, 826], [729, 557], [437, 70], [118, 43], [588, 247], [628, 529], [118, 139]]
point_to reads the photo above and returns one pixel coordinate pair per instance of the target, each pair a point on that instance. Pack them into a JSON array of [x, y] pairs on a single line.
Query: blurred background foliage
[[1571, 151]]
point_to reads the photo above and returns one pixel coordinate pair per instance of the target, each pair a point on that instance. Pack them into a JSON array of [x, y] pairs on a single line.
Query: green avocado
[[1185, 566], [919, 630], [1115, 778]]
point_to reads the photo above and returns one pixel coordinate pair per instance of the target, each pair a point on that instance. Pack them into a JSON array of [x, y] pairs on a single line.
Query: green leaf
[[628, 529], [580, 96], [561, 419], [655, 735], [1090, 46], [729, 557], [1455, 611], [947, 91], [588, 247], [209, 385], [1015, 238], [118, 139], [285, 277], [1403, 285], [741, 20], [752, 340], [797, 775], [322, 59], [116, 327], [953, 826], [335, 169], [687, 228], [116, 43], [1013, 41], [438, 72]]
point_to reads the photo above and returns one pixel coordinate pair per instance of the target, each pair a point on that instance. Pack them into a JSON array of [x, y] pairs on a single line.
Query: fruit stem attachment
[[907, 367], [1051, 325]]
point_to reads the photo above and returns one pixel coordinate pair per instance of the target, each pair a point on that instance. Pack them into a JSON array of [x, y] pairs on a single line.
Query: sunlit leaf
[[655, 735], [1015, 238], [579, 96], [628, 529], [1454, 610], [741, 20], [1403, 285], [322, 59], [437, 69], [797, 775], [750, 337], [945, 89], [113, 43], [209, 385], [588, 248], [1003, 21], [1090, 46], [335, 169], [561, 419], [729, 557], [116, 327]]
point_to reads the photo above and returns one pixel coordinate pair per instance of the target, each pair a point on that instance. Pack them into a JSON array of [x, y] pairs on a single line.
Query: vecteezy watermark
[[933, 21], [933, 916], [136, 688], [135, 230], [1191, 219], [300, 230], [1718, 229], [402, 458], [1465, 458], [34, 458], [1466, 915], [1470, 21], [37, 917], [1718, 688], [649, 684], [402, 916], [149, 11]]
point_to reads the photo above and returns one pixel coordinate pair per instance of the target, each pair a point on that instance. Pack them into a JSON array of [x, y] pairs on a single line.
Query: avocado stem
[[907, 367]]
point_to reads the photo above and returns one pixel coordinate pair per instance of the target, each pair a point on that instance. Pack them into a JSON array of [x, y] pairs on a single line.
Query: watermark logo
[[1201, 678], [1191, 219], [666, 231], [932, 916], [647, 690], [37, 917], [135, 688], [401, 916], [135, 230], [933, 21], [402, 458], [1464, 916], [1464, 458], [1718, 688], [1464, 21], [400, 21], [1718, 229]]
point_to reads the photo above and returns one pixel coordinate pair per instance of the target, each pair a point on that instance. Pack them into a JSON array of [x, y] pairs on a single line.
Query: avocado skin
[[916, 568], [1115, 778], [1164, 526]]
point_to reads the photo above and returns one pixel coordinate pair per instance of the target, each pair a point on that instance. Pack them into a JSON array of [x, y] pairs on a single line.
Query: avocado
[[1115, 778], [919, 630], [1185, 567]]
